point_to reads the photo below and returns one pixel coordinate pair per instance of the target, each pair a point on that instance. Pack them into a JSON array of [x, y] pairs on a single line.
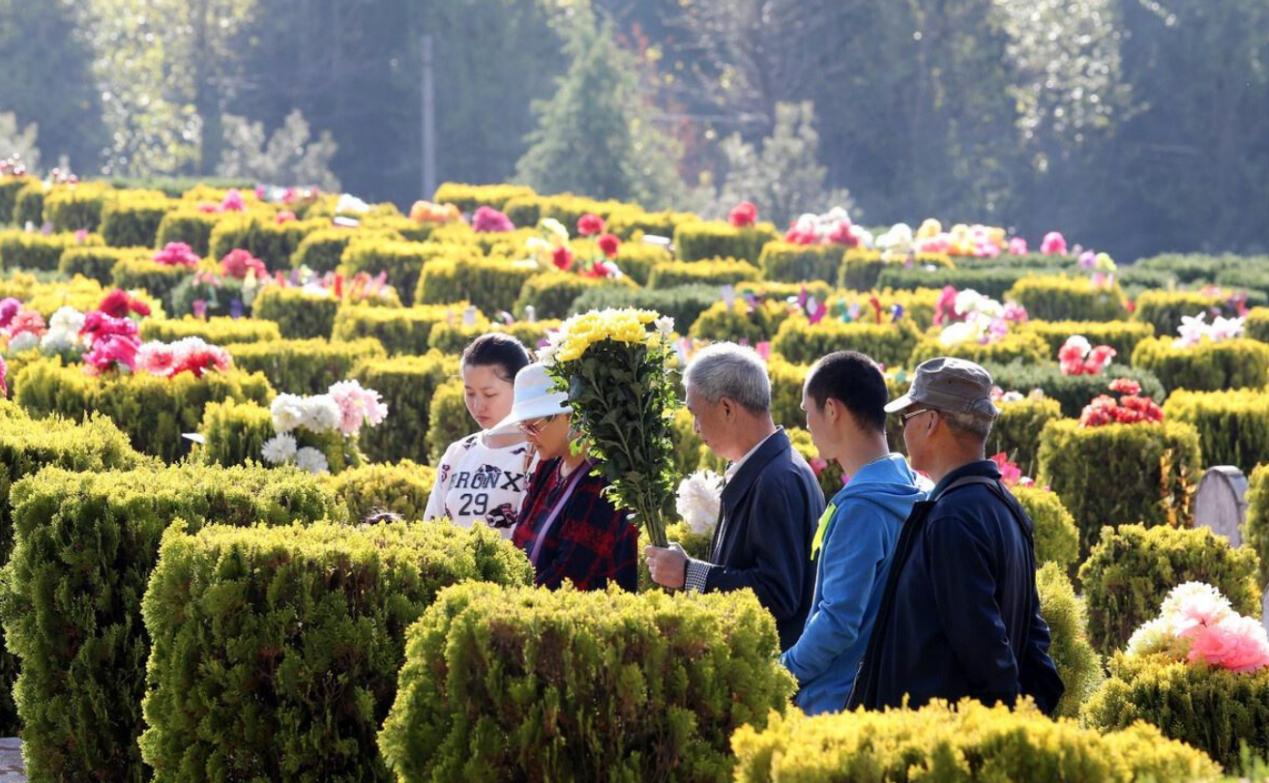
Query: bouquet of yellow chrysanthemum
[[615, 366]]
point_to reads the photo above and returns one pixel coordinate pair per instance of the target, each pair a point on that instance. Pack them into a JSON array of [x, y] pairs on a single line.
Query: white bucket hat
[[534, 398]]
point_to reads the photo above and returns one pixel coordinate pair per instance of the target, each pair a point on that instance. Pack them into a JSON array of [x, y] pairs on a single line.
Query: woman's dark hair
[[504, 353], [855, 381]]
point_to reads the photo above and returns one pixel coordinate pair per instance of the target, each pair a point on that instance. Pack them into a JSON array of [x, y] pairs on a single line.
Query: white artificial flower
[[1193, 329], [698, 500], [970, 301], [288, 412], [321, 413], [23, 341], [1154, 636], [960, 332], [349, 204], [279, 449], [1226, 329], [311, 460], [66, 319], [1193, 603], [665, 325], [558, 233], [57, 341], [1079, 341]]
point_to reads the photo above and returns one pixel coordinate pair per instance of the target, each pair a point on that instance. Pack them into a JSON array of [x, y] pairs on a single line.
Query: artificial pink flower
[[945, 307], [177, 254], [608, 245], [1125, 386], [233, 202], [1053, 244], [1010, 473], [118, 303], [285, 216], [1018, 246], [488, 219], [9, 308], [156, 358], [113, 351], [238, 262], [1235, 643], [590, 224], [743, 214], [26, 321]]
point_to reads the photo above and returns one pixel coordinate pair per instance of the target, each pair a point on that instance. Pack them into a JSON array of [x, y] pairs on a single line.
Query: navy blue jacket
[[960, 613], [769, 511]]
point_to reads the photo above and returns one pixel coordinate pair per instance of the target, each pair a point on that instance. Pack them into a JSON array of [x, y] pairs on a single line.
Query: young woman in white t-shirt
[[482, 477]]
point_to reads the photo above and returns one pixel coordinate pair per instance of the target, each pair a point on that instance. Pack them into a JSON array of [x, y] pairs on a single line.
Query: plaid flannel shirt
[[591, 542]]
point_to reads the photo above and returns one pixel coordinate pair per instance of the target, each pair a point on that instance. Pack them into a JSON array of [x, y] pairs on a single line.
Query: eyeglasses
[[534, 426], [911, 414]]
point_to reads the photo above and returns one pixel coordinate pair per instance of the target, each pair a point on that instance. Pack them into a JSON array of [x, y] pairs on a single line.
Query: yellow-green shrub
[[694, 241], [1017, 429], [131, 218], [1056, 298], [406, 384], [81, 293], [448, 419], [32, 250], [1120, 473], [492, 284], [160, 280], [153, 411], [452, 338], [219, 330], [581, 685], [530, 209], [322, 250], [1078, 664], [1072, 392], [1208, 366], [917, 304], [1233, 426], [468, 197], [636, 260], [964, 743], [1132, 569], [1123, 336], [802, 342], [633, 224], [828, 474], [187, 225], [864, 270], [1212, 709], [1016, 346], [683, 304], [98, 263], [401, 330], [10, 186], [796, 263], [84, 660], [261, 235], [741, 322], [1164, 309], [28, 205], [308, 601], [235, 432], [75, 207], [787, 379], [303, 366], [402, 261], [715, 272], [402, 488], [552, 294], [299, 314], [1057, 539], [1256, 324], [1255, 530]]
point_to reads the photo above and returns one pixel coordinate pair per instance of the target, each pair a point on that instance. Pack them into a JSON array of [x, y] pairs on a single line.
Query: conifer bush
[[1123, 336], [1021, 347], [98, 263], [1072, 392], [303, 366], [39, 252], [492, 284], [1056, 298], [1077, 663], [401, 488], [406, 384], [581, 685], [802, 342], [401, 330], [1233, 426], [794, 263], [694, 241], [131, 218], [1208, 366], [217, 330], [716, 272], [299, 314], [1255, 531]]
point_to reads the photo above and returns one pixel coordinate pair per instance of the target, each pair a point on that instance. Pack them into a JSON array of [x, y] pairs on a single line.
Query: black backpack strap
[[1015, 508]]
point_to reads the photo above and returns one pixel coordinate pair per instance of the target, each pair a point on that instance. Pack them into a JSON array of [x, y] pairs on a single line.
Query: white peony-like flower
[[960, 332], [699, 499], [288, 412], [321, 413], [57, 341], [66, 319], [311, 460], [279, 449], [23, 341], [349, 204], [665, 325], [1154, 636]]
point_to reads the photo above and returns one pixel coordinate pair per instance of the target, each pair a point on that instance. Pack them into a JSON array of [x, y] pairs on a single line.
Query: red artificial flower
[[945, 307], [743, 214], [1125, 386], [608, 245], [590, 224], [238, 262], [562, 258], [118, 303]]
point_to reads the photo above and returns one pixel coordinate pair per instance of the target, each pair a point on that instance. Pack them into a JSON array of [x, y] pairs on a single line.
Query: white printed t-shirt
[[476, 483]]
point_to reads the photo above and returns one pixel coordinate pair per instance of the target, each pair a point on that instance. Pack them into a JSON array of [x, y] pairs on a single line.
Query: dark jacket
[[769, 509], [960, 614]]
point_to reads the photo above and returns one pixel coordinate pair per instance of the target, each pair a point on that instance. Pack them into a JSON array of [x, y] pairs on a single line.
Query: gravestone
[[1221, 502]]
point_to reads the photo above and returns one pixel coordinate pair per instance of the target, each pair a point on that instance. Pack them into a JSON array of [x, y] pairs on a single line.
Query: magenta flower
[[1054, 244]]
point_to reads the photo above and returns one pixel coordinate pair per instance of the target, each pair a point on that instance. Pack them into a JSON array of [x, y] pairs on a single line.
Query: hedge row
[[303, 366], [217, 330], [407, 384], [1233, 426], [401, 330], [1208, 366]]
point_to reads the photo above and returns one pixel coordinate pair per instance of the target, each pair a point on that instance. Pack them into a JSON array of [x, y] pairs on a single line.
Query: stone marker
[[1221, 502]]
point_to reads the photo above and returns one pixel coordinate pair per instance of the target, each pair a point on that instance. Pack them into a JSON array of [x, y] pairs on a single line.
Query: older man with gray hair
[[770, 500]]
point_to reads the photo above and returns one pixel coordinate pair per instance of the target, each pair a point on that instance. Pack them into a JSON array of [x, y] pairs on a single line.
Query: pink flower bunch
[[1078, 357], [357, 406], [1198, 624], [1130, 408], [238, 262], [1017, 246], [1053, 244], [831, 228], [1010, 473], [177, 254], [12, 166], [590, 224], [113, 343], [119, 303], [25, 320], [233, 202], [488, 219], [743, 215], [190, 354]]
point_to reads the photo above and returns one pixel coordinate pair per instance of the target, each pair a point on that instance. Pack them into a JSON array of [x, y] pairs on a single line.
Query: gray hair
[[733, 371], [969, 423]]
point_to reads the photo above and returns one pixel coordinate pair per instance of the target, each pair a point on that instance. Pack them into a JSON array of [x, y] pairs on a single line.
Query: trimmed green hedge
[[963, 743], [717, 272], [1123, 336], [300, 315], [492, 284], [1257, 324], [85, 545], [98, 263], [1120, 473], [160, 280], [1255, 530], [323, 249], [235, 433], [1058, 298], [795, 263], [740, 322], [1211, 709], [218, 330], [803, 343], [401, 488], [132, 218], [469, 197], [401, 330], [39, 252], [581, 685], [448, 419], [75, 207], [1072, 392], [1233, 426], [10, 186], [406, 384], [1017, 429], [303, 366], [261, 235], [324, 610], [1164, 309], [555, 294], [28, 205], [1230, 364], [187, 225], [684, 304], [993, 282], [1017, 346], [153, 411], [453, 338], [1133, 568], [694, 241], [402, 261], [1066, 614]]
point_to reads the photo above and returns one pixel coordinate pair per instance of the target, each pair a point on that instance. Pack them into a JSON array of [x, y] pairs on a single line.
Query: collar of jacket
[[773, 447], [980, 467]]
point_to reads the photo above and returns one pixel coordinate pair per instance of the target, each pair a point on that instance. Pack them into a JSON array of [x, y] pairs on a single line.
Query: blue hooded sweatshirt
[[862, 526]]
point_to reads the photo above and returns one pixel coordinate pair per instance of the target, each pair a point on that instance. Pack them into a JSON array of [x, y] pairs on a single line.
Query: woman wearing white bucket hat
[[566, 526]]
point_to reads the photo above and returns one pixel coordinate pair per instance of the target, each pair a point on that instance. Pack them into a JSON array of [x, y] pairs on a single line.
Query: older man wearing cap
[[566, 526], [959, 614]]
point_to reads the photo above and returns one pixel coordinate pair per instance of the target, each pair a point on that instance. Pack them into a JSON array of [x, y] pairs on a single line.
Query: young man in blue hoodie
[[844, 398]]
